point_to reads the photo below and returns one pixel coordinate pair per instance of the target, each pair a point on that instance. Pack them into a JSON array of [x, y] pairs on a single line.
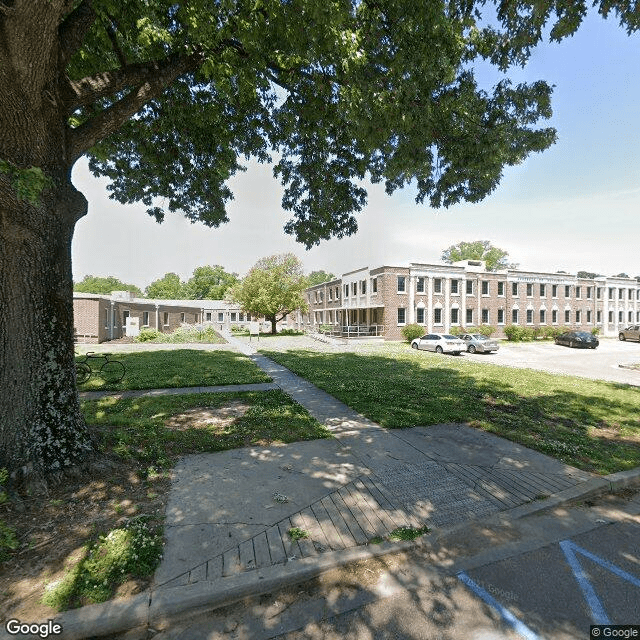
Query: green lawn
[[178, 368], [156, 430], [589, 424]]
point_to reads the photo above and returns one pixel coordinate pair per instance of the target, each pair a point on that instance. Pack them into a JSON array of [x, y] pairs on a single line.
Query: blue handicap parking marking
[[505, 614], [571, 551]]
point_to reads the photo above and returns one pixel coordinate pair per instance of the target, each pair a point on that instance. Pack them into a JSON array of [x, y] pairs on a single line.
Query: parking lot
[[602, 363]]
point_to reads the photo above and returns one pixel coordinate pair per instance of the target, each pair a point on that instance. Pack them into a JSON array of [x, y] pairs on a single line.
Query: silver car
[[478, 342], [630, 333], [440, 343]]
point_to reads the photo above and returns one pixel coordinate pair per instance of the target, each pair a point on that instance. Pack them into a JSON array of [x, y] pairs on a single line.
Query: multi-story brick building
[[380, 301]]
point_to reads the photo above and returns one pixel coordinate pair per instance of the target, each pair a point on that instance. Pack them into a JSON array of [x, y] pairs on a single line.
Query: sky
[[573, 207]]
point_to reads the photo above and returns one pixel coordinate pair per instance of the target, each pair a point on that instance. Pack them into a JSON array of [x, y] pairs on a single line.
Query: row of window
[[543, 289], [542, 316]]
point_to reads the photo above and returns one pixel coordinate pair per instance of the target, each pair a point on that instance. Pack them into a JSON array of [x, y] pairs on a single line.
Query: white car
[[440, 343]]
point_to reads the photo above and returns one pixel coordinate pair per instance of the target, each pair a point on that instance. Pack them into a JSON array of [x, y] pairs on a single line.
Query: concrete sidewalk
[[230, 513]]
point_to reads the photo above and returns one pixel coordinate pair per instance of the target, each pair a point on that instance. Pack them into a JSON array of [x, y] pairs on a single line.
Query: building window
[[611, 317], [514, 316], [589, 316], [220, 316], [233, 316], [598, 317], [598, 292], [543, 316], [402, 284], [437, 285], [420, 315], [554, 290], [207, 316], [543, 290], [485, 316], [437, 316], [500, 288], [554, 316], [529, 290], [469, 319], [145, 318], [455, 316], [106, 318], [321, 296], [514, 288], [620, 294], [354, 288], [165, 318], [470, 287], [610, 293], [454, 286], [182, 317], [589, 293], [363, 286], [500, 316], [485, 287], [630, 314], [346, 290], [374, 285], [529, 316], [578, 316], [620, 316], [567, 291], [578, 292], [402, 313], [337, 293], [420, 285], [567, 316], [330, 296]]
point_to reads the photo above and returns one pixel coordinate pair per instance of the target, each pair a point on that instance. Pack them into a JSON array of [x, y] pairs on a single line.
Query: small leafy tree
[[209, 283], [169, 287], [412, 331], [273, 288], [494, 257], [318, 277], [104, 285]]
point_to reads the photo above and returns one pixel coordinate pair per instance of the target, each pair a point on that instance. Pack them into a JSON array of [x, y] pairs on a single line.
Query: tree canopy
[[209, 283], [104, 285], [318, 277], [494, 257], [273, 288], [169, 287]]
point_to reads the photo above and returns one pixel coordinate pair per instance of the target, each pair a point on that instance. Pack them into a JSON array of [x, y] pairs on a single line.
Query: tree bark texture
[[41, 426]]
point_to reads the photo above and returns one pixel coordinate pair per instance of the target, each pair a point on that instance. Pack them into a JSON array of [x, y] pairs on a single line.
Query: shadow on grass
[[589, 424], [176, 368]]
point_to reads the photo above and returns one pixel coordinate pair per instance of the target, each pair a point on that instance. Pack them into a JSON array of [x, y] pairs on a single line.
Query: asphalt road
[[602, 363]]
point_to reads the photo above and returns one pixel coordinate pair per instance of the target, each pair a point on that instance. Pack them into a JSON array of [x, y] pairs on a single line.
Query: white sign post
[[132, 327], [254, 330]]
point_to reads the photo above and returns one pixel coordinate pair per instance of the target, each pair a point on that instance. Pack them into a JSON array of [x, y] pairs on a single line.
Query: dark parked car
[[578, 339]]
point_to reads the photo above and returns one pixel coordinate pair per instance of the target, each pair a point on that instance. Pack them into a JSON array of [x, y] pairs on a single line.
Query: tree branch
[[111, 119], [111, 32], [74, 29]]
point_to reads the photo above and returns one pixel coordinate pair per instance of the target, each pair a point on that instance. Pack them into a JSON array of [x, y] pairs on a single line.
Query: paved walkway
[[231, 512]]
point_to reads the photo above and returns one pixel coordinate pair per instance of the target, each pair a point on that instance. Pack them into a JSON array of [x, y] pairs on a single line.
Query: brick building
[[97, 318], [380, 301]]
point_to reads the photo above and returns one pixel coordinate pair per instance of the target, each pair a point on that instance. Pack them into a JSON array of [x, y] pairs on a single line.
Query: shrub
[[8, 541], [323, 328], [549, 333], [291, 332], [147, 335], [595, 331], [514, 333], [412, 331]]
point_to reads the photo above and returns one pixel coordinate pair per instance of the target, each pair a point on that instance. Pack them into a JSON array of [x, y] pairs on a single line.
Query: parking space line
[[570, 549], [507, 616]]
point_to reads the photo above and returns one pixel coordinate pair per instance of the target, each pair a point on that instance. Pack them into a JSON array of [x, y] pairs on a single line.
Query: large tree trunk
[[41, 427]]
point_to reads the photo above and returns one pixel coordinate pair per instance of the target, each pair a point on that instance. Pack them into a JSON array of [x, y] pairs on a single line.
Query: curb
[[156, 608]]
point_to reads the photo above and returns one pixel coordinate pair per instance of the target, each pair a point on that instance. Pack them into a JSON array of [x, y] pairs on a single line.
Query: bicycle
[[111, 371]]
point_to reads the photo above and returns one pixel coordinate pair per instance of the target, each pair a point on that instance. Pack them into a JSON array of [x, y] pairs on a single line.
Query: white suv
[[440, 343]]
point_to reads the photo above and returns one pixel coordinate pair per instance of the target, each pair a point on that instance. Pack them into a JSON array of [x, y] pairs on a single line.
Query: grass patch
[[177, 368], [295, 533], [133, 551], [407, 533], [589, 424], [156, 430]]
